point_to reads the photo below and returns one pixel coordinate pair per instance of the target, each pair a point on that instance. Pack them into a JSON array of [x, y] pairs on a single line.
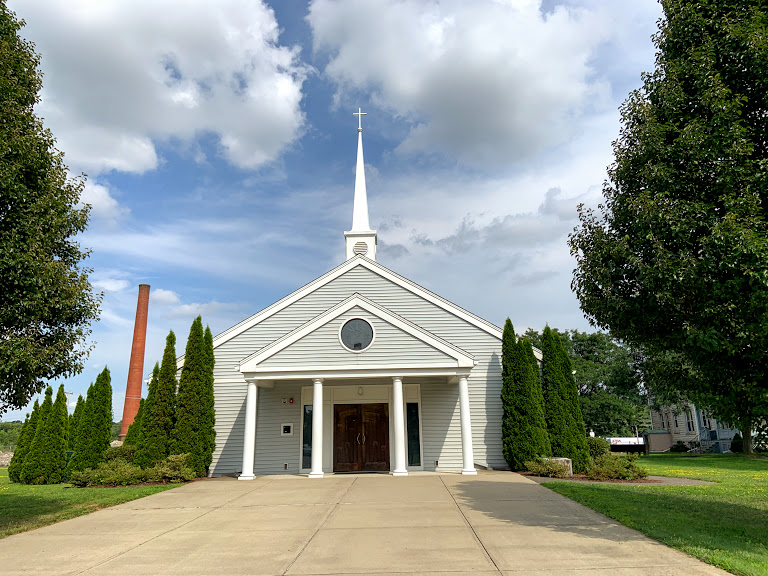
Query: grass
[[27, 507], [724, 524]]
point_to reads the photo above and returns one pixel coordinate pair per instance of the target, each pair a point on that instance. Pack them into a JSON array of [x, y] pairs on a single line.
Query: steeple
[[361, 239]]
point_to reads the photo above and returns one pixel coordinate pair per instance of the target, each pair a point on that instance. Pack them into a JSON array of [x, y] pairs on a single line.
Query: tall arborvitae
[[103, 414], [26, 436], [187, 436], [95, 427], [47, 457], [580, 448], [30, 470], [566, 428], [133, 435], [78, 460], [524, 433], [157, 422], [74, 422], [209, 412]]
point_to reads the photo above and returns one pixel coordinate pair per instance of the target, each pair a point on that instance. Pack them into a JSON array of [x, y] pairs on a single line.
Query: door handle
[[363, 435], [358, 437]]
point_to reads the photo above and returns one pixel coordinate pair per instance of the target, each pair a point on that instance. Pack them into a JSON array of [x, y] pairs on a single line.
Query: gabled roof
[[375, 267], [456, 356]]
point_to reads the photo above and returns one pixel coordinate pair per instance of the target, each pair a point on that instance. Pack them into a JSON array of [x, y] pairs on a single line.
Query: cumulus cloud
[[123, 75], [484, 80], [163, 297], [104, 206]]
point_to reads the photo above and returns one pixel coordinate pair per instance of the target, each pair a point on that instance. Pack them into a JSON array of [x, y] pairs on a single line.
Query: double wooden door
[[360, 437]]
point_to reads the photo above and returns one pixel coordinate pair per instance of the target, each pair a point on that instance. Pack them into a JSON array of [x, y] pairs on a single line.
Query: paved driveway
[[493, 523]]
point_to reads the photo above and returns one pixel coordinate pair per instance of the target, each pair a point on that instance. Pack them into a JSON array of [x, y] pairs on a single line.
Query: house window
[[676, 424], [306, 450], [662, 419], [412, 420], [689, 421]]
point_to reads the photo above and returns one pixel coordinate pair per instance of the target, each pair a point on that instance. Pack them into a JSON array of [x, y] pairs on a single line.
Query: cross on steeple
[[359, 115]]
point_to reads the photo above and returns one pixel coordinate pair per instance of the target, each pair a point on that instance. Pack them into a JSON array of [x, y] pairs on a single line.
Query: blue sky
[[219, 144]]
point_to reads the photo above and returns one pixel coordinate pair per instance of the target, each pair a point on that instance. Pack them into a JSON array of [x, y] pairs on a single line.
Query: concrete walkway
[[493, 523]]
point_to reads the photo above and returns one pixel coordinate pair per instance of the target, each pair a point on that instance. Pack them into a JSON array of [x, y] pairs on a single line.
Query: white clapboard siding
[[272, 449], [484, 382], [391, 345]]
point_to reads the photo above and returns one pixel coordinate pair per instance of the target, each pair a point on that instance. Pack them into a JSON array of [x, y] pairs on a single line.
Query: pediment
[[317, 345]]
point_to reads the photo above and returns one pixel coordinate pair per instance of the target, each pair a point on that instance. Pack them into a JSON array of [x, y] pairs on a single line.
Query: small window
[[306, 449], [412, 422], [689, 421], [357, 334], [676, 424]]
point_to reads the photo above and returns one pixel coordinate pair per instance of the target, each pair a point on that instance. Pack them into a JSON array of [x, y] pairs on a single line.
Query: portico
[[363, 421]]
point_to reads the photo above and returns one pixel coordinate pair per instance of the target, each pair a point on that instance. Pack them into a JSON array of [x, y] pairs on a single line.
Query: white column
[[467, 454], [399, 427], [249, 441], [317, 429]]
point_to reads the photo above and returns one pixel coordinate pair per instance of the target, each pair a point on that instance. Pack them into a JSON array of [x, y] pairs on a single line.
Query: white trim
[[462, 359], [353, 371]]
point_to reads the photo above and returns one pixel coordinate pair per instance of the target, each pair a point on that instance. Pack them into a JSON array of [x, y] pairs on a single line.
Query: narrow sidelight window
[[306, 453], [412, 419]]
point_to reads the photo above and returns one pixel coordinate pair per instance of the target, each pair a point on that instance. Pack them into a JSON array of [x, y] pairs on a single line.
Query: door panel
[[347, 438], [375, 447]]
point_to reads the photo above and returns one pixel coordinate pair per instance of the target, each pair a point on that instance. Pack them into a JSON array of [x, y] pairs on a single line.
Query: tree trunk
[[746, 434]]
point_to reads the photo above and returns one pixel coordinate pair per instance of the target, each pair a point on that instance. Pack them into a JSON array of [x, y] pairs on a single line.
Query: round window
[[356, 334]]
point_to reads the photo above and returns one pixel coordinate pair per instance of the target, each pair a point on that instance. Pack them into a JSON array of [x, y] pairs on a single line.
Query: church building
[[360, 370]]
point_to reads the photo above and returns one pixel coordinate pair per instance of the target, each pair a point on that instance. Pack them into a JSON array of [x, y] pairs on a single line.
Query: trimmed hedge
[[547, 467], [617, 467], [119, 472]]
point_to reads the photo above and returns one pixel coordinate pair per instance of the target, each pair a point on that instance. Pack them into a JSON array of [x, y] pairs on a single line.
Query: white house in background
[[695, 428], [359, 370]]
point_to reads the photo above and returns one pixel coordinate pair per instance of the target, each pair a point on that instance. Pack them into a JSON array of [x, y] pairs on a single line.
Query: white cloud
[[485, 81], [123, 75], [163, 297], [205, 309], [104, 206]]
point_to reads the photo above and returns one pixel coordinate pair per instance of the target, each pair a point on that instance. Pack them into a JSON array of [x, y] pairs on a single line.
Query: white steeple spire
[[361, 239]]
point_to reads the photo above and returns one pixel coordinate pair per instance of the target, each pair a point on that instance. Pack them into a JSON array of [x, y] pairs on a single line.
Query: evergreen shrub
[[616, 467], [547, 467], [115, 472], [125, 452], [598, 446], [737, 443], [173, 469], [679, 446], [119, 472]]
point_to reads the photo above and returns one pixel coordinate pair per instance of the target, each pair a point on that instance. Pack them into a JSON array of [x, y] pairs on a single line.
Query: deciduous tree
[[676, 259], [46, 300]]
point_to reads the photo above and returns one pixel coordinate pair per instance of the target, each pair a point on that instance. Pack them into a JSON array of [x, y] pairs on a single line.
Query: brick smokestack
[[136, 367]]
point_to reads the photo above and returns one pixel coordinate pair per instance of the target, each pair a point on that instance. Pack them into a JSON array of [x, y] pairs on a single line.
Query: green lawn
[[26, 507], [725, 524]]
